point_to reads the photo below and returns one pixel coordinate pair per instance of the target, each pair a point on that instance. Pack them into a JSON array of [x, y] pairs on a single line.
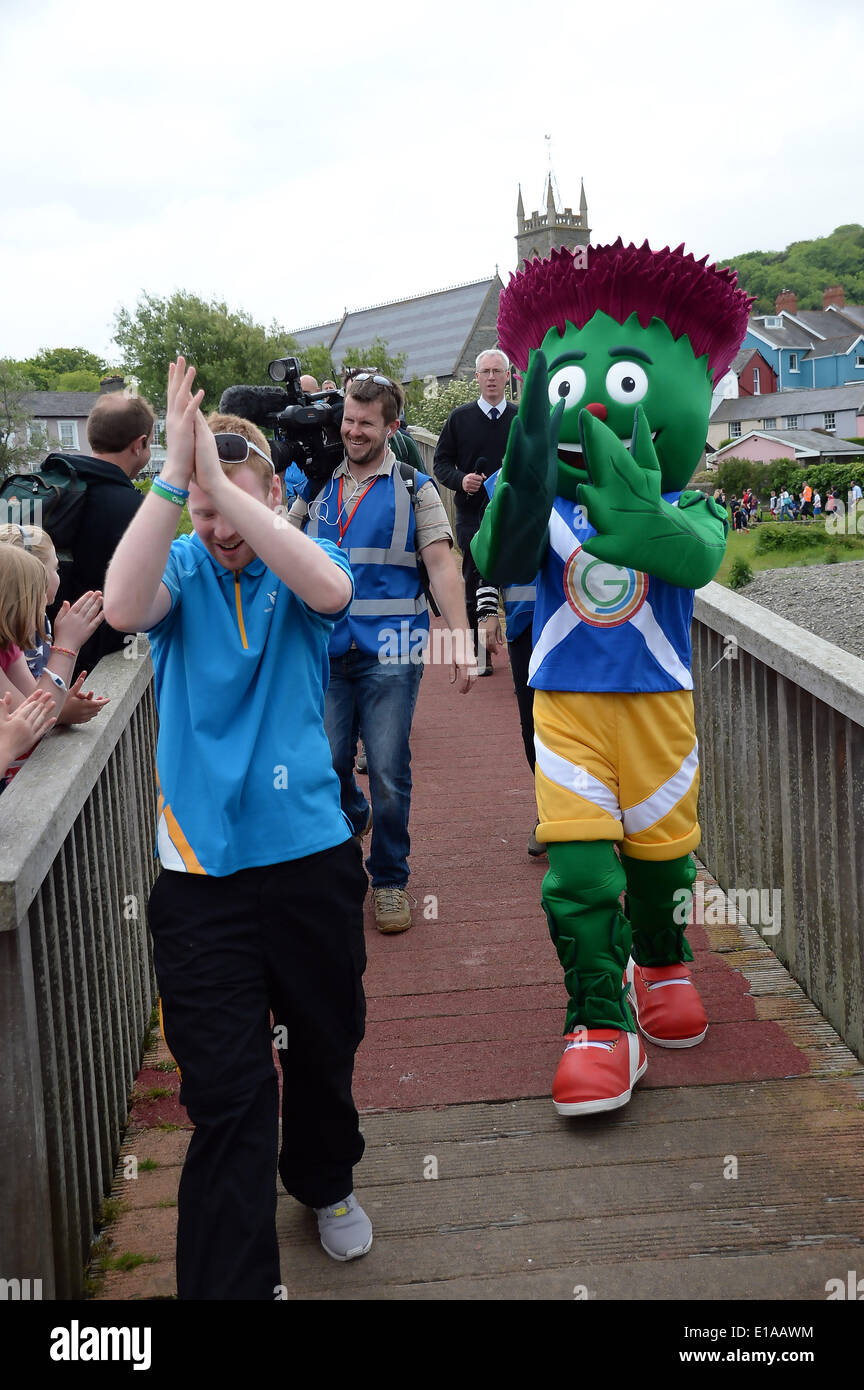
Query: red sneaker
[[666, 1004], [598, 1070]]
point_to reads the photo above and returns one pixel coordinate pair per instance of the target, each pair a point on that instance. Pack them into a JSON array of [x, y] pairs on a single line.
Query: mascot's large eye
[[626, 383], [568, 385]]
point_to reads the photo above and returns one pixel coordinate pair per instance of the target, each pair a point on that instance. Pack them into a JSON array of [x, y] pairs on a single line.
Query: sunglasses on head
[[234, 448], [369, 376]]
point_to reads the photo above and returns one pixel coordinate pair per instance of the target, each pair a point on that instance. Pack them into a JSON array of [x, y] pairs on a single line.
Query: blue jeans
[[382, 697]]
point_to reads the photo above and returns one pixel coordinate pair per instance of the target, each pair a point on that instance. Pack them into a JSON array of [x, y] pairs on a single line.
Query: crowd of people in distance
[[805, 505]]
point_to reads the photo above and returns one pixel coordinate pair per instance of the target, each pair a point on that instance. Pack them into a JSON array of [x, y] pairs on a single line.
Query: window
[[859, 360], [829, 420], [770, 422], [735, 429], [793, 362], [68, 431], [791, 422], [773, 321], [755, 381], [37, 435]]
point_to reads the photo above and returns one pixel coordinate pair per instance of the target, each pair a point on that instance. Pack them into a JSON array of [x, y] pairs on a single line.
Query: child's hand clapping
[[80, 707], [23, 727], [75, 623]]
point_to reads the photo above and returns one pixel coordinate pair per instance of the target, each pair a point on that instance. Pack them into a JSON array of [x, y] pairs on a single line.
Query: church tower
[[540, 233]]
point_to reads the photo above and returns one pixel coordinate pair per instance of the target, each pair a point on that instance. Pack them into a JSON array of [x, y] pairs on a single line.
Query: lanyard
[[350, 517]]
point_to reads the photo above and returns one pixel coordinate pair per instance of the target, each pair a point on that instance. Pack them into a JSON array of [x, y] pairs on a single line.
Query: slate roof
[[849, 397], [835, 347], [322, 333], [810, 440], [853, 312], [791, 337], [431, 329], [59, 405]]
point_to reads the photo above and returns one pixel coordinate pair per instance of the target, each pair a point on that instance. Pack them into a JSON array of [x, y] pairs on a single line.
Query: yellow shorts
[[615, 766]]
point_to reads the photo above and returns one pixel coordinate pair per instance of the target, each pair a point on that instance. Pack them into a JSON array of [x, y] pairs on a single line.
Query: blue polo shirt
[[243, 762]]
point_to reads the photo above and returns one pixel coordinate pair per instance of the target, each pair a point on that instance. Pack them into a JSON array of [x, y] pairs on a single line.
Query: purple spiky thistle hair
[[690, 297]]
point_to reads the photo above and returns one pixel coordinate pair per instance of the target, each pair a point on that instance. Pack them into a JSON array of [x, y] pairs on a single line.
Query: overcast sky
[[367, 152]]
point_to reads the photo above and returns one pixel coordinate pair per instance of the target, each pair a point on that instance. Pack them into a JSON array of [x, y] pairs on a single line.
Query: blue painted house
[[811, 348]]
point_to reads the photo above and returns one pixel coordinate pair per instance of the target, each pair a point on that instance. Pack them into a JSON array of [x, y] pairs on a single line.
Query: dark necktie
[[493, 412]]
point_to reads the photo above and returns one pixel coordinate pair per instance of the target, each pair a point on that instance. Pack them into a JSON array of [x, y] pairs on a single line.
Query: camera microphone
[[255, 403]]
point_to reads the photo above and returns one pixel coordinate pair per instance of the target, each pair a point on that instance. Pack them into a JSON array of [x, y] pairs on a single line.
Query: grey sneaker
[[345, 1229], [360, 764]]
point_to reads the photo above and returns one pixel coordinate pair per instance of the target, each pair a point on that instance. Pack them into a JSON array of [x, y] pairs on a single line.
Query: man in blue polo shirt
[[259, 903]]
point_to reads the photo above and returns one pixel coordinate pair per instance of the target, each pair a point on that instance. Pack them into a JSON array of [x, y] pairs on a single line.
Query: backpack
[[408, 474], [52, 498]]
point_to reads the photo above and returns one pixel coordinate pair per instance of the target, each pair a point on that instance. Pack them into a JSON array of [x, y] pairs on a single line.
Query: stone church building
[[441, 333]]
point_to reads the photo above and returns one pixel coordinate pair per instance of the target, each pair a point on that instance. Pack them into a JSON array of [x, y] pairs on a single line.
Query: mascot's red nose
[[596, 408]]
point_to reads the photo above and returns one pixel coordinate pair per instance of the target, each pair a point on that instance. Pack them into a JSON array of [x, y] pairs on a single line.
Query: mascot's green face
[[609, 368]]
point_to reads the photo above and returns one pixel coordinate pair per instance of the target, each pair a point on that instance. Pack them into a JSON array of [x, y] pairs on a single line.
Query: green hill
[[807, 267]]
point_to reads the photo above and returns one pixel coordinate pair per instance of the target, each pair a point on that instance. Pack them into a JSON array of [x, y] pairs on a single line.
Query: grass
[[147, 1165], [128, 1259], [742, 544], [154, 1093]]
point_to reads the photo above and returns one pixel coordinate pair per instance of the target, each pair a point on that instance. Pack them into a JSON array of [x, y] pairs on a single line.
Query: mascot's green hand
[[511, 542], [683, 545]]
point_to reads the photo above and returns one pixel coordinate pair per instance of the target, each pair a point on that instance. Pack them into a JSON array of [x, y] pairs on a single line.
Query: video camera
[[306, 426]]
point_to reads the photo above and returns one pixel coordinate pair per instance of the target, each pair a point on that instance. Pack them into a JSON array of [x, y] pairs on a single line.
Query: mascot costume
[[622, 347]]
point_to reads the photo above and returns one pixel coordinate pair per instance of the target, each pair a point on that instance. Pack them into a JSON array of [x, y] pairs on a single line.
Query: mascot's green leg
[[580, 897], [658, 908]]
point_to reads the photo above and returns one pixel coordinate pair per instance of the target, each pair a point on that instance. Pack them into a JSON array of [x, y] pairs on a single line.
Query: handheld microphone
[[255, 403]]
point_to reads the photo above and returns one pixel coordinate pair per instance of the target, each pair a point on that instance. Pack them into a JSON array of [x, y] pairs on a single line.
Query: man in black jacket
[[120, 433], [470, 449]]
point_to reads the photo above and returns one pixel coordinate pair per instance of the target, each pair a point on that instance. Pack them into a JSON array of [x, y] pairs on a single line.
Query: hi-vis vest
[[389, 617], [519, 599], [604, 627]]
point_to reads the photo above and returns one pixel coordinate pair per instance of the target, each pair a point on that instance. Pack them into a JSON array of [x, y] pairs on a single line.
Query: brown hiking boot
[[392, 909]]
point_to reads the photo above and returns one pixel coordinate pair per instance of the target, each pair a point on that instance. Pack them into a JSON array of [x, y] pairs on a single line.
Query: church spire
[[583, 201], [520, 207]]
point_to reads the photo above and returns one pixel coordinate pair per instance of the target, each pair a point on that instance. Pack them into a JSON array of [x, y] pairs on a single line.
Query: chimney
[[788, 300], [833, 296], [110, 383]]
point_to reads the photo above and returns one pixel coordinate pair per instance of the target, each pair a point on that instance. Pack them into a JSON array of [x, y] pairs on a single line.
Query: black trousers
[[288, 938], [466, 529], [519, 650]]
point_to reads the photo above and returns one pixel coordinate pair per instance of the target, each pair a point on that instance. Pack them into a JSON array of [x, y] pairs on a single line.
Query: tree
[[16, 451], [317, 361], [807, 268], [376, 355], [51, 363], [227, 348], [433, 410], [80, 380]]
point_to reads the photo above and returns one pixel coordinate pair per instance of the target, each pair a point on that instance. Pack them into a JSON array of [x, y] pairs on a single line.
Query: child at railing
[[37, 542], [25, 585]]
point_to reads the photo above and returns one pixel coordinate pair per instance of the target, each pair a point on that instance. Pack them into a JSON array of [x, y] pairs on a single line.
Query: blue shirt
[[244, 765], [599, 626]]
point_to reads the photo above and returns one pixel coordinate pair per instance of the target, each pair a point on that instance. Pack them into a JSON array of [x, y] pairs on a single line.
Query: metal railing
[[76, 974]]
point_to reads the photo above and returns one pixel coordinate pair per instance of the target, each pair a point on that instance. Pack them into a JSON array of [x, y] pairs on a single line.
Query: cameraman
[[377, 649]]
